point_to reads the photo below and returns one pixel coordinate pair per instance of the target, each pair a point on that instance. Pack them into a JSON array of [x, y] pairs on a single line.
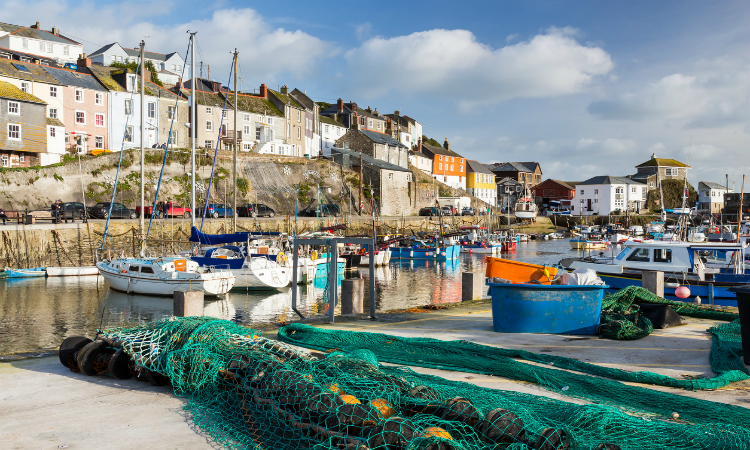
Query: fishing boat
[[382, 257], [164, 276], [585, 242], [25, 273], [82, 271], [707, 269], [525, 208], [423, 250]]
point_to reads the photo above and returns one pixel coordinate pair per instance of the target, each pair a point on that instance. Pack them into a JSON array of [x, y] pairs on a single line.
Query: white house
[[711, 197], [33, 40], [330, 132], [420, 161], [55, 143], [170, 62], [409, 130], [605, 194]]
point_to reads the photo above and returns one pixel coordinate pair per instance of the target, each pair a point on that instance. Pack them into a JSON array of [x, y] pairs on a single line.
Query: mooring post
[[372, 276], [472, 284], [295, 272], [188, 303], [352, 296], [654, 282]]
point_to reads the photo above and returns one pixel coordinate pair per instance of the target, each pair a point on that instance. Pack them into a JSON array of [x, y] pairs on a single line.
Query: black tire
[[133, 215], [186, 215], [105, 214], [87, 355], [501, 425], [553, 439], [271, 214], [119, 365], [156, 379], [253, 214], [69, 347], [216, 215]]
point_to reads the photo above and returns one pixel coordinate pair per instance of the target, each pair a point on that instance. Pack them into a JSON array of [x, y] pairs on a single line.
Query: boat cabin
[[693, 258]]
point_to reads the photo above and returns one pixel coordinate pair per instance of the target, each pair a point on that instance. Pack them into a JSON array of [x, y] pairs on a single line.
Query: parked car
[[255, 210], [217, 210], [173, 210], [429, 211], [74, 210], [327, 209], [119, 211], [447, 210], [467, 211]]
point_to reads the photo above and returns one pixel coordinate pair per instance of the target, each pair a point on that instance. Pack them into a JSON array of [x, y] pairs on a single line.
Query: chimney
[[285, 90], [83, 61], [36, 27], [368, 110], [340, 106], [419, 144], [263, 91], [397, 112], [178, 86], [376, 112], [55, 31], [445, 144]]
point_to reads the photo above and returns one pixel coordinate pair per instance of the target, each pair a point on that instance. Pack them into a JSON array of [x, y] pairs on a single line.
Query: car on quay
[[217, 210], [326, 209], [429, 211], [119, 211], [74, 210], [447, 210], [255, 210], [467, 211], [172, 209]]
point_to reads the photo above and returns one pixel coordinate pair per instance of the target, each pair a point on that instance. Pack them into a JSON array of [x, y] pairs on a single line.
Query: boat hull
[[72, 271], [439, 254], [490, 249], [721, 294], [25, 273], [525, 214], [262, 275], [126, 282], [382, 258]]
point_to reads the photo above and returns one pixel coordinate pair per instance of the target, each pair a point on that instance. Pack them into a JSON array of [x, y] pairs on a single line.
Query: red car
[[172, 209]]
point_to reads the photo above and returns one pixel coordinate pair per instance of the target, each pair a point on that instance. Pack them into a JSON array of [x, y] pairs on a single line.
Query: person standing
[[55, 207], [3, 215]]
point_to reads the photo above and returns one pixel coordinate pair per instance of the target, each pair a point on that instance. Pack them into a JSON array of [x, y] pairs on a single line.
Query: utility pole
[[361, 175], [201, 73], [236, 143], [143, 132], [192, 127]]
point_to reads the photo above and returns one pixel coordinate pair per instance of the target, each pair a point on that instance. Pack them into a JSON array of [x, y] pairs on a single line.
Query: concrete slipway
[[45, 406]]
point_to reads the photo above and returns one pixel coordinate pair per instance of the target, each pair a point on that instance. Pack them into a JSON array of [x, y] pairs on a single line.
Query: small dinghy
[[25, 273]]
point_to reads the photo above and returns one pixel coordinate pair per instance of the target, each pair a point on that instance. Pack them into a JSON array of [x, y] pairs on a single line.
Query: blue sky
[[584, 87]]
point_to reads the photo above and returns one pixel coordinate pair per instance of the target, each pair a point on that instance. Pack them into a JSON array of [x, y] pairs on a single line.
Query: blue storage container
[[537, 308]]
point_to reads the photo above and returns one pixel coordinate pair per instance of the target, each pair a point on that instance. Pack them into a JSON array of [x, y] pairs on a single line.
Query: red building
[[556, 190]]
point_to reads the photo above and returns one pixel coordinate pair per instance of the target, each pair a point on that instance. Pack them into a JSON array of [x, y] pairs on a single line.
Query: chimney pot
[[397, 112], [263, 91], [340, 106], [35, 26], [445, 144], [285, 90]]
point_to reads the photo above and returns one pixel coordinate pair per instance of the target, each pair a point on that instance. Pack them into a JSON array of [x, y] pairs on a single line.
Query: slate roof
[[510, 167], [564, 184], [33, 33], [420, 154], [607, 179], [32, 56], [475, 166], [133, 52], [662, 162], [573, 183], [532, 166], [369, 160], [380, 138], [400, 120], [439, 150], [363, 112], [72, 78], [55, 122], [286, 99], [508, 180], [8, 90], [35, 72], [303, 99], [712, 185], [333, 109], [330, 121]]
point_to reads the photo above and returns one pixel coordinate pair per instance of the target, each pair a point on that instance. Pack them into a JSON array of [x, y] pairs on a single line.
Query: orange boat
[[518, 272]]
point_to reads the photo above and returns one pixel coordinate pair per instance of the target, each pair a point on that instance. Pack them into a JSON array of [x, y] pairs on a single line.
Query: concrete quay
[[43, 405]]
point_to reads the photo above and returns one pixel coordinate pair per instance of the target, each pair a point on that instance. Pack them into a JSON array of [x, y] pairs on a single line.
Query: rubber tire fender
[[87, 355], [69, 347], [119, 365], [553, 439]]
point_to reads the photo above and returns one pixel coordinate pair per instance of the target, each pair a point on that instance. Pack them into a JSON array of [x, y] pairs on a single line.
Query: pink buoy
[[442, 254], [682, 292]]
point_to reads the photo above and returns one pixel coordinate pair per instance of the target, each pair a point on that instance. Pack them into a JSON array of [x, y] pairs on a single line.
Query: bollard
[[654, 282], [472, 286], [188, 303], [353, 296]]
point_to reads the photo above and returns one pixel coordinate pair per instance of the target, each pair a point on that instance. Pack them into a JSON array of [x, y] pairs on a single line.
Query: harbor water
[[38, 313]]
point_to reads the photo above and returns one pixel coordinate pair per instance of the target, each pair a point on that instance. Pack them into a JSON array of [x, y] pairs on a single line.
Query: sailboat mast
[[192, 129], [236, 143], [143, 132]]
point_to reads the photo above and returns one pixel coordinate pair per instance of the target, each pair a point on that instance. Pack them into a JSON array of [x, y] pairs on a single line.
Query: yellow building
[[480, 182]]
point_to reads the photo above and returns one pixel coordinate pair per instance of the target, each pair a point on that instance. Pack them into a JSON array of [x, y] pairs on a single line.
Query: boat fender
[[281, 258], [314, 255]]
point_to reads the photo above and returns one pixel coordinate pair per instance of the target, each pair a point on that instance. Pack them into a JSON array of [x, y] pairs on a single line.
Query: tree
[[132, 65], [430, 141]]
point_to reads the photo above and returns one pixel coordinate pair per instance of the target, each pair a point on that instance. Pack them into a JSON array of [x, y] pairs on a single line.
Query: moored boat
[[72, 271], [25, 273]]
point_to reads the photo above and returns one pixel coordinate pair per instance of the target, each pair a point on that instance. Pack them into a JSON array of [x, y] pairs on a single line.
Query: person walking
[[55, 207]]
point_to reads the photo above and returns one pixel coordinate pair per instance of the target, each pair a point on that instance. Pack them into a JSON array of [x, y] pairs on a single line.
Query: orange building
[[447, 166]]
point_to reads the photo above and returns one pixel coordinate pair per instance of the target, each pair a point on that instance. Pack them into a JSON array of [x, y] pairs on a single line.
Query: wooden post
[[739, 212]]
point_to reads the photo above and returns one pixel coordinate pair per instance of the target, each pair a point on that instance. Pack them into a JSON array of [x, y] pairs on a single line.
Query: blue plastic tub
[[536, 308]]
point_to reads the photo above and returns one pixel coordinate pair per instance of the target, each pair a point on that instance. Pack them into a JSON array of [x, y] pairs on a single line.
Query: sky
[[584, 87]]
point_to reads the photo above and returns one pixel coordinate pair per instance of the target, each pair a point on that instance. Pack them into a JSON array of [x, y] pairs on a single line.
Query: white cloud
[[453, 64], [363, 31], [715, 94], [512, 37], [267, 54]]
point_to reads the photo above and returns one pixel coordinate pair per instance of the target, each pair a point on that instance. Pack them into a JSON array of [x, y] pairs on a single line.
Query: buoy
[[350, 399], [675, 415], [682, 292], [436, 432], [335, 388], [383, 406]]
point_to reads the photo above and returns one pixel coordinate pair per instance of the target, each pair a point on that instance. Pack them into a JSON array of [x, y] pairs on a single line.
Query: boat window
[[662, 255], [134, 268], [639, 255], [147, 270]]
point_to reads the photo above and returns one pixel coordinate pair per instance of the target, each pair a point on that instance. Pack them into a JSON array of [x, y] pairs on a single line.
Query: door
[[151, 137], [589, 204]]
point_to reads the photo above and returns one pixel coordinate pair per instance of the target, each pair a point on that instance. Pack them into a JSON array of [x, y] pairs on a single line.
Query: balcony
[[228, 135]]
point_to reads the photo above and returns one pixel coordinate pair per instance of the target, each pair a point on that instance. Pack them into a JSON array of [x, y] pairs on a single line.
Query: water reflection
[[39, 313]]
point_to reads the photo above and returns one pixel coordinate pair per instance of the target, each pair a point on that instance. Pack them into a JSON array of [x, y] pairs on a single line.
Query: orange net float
[[384, 407], [436, 432], [335, 389], [350, 399]]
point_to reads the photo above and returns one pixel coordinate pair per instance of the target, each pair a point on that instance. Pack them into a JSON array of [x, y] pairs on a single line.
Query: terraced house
[[47, 45], [447, 166], [295, 120], [169, 66], [353, 117], [480, 182]]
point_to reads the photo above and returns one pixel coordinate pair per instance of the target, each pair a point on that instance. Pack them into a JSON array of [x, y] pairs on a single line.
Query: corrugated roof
[[662, 162], [8, 90], [607, 179], [369, 160], [381, 138], [71, 78], [475, 166]]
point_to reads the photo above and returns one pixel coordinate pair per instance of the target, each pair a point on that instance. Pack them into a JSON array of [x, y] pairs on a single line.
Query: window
[[451, 167], [170, 112], [639, 255], [581, 191], [440, 166], [147, 270], [209, 110], [25, 43], [119, 59], [99, 98], [53, 91], [246, 130], [326, 128], [378, 125], [41, 46], [25, 86], [619, 190], [134, 268], [662, 255], [596, 191], [14, 108], [4, 160], [462, 160], [257, 133], [299, 116], [49, 48], [209, 125], [390, 176], [14, 131], [151, 110], [52, 132], [128, 107], [633, 190], [22, 158], [271, 148], [99, 142], [440, 157], [79, 95], [247, 147], [129, 134], [81, 117], [66, 49], [452, 160], [208, 144], [370, 126], [100, 120], [269, 120], [299, 133]]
